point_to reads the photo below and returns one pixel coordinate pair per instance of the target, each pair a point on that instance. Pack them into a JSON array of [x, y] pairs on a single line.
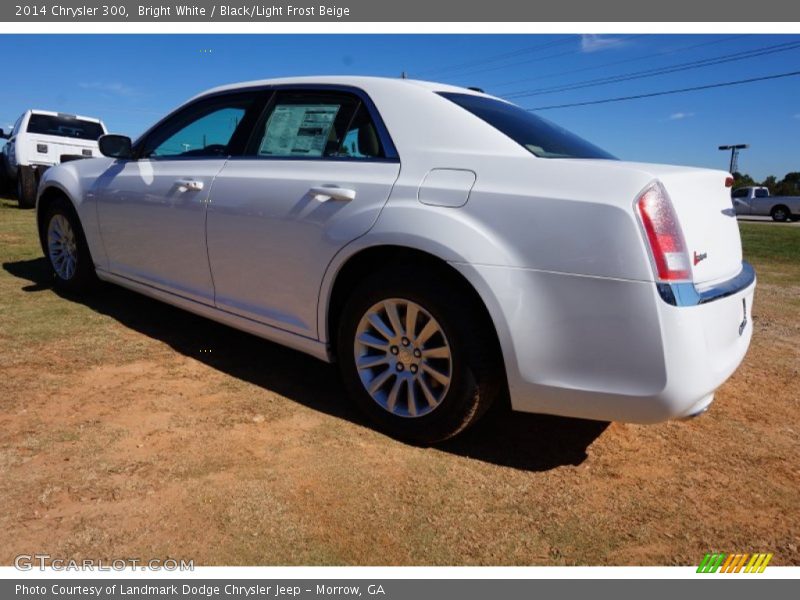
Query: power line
[[532, 60], [496, 57], [621, 62], [668, 92], [707, 62]]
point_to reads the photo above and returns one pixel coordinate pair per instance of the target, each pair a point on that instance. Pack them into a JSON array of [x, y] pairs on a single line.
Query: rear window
[[64, 126], [537, 135]]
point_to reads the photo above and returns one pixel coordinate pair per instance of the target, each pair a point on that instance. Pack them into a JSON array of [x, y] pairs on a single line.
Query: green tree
[[789, 185]]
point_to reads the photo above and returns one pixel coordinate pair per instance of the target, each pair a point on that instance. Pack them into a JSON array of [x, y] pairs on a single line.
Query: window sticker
[[298, 130]]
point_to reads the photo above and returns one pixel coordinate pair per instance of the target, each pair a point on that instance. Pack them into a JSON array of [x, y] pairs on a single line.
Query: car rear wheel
[[780, 213], [26, 187], [417, 356], [66, 250]]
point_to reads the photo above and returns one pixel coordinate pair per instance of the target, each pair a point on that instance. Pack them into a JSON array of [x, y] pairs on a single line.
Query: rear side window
[[64, 126], [539, 136], [317, 125]]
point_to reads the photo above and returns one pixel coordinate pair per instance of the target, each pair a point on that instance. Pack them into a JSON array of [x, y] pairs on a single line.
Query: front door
[[152, 210]]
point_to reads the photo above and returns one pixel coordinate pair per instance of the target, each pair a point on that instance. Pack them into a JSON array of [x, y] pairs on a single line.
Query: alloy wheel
[[62, 247], [403, 357]]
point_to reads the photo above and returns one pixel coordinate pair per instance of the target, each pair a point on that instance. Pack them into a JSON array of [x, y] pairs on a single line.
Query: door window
[[203, 130], [317, 125]]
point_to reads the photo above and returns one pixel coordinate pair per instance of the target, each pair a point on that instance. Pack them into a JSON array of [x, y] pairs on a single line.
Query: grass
[[774, 250], [119, 437]]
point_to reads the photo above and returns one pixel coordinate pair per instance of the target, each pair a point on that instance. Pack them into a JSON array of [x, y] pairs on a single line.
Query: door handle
[[325, 192], [189, 185]]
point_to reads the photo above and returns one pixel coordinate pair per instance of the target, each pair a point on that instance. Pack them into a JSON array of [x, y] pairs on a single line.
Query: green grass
[[770, 242], [774, 250]]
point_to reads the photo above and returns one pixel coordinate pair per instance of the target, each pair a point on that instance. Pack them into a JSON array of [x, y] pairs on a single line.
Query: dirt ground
[[131, 429]]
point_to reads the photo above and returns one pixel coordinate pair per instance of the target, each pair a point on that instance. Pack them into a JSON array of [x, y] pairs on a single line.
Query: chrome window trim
[[688, 294]]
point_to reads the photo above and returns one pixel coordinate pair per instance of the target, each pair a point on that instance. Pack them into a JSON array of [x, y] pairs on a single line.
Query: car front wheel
[[417, 356], [65, 246]]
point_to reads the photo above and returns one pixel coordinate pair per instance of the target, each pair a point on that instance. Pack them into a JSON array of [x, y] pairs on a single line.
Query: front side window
[[64, 126], [317, 125], [202, 131], [538, 136]]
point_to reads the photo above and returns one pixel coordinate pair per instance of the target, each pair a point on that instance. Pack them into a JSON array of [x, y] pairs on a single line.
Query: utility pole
[[734, 148]]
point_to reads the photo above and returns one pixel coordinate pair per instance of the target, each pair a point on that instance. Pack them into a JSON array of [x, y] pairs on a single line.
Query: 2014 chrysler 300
[[445, 247]]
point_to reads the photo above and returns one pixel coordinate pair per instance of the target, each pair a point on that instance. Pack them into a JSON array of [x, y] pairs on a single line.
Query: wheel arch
[[51, 193], [780, 205], [342, 278]]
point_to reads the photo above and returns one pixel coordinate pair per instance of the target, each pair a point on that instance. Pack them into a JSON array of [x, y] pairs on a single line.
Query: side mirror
[[4, 135], [115, 146]]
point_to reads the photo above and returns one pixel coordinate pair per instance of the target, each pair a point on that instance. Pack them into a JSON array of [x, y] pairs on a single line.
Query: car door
[[740, 201], [152, 209], [761, 204], [318, 169]]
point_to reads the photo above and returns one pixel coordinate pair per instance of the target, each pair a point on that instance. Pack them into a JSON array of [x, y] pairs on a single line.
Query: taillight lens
[[664, 235]]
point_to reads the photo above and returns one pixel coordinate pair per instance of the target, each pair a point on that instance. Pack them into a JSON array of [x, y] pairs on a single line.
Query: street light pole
[[734, 148]]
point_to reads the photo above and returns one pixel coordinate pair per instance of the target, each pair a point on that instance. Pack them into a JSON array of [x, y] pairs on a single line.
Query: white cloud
[[116, 88], [595, 43], [678, 116]]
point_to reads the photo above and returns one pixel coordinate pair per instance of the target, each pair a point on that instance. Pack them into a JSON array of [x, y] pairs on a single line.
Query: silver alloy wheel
[[403, 357], [62, 247]]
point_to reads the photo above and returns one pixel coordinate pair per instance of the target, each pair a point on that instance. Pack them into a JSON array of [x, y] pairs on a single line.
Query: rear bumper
[[614, 350], [688, 294]]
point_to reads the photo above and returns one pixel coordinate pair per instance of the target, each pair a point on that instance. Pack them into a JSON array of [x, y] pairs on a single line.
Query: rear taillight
[[664, 235]]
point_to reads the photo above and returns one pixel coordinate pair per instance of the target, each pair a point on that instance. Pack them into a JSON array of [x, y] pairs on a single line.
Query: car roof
[[367, 83]]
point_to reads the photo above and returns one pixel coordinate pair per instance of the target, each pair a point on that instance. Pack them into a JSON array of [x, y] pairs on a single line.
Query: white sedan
[[448, 249]]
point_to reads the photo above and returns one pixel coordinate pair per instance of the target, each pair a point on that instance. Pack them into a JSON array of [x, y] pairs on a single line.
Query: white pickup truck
[[753, 200], [41, 139]]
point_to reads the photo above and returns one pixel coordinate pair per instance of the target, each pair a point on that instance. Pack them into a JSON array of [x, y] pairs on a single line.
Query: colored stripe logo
[[734, 563]]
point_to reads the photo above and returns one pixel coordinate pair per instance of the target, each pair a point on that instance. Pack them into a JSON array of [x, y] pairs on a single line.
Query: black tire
[[26, 187], [82, 278], [780, 213], [5, 188], [477, 375]]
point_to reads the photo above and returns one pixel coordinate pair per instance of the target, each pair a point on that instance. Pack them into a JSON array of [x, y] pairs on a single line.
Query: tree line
[[788, 186]]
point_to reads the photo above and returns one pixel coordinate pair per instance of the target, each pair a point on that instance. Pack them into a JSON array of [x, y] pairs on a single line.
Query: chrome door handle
[[324, 193], [186, 185]]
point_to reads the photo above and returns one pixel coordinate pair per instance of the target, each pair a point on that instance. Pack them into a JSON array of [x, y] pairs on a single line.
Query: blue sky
[[132, 80]]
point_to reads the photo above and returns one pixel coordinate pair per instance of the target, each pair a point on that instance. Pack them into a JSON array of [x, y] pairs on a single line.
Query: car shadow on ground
[[517, 440]]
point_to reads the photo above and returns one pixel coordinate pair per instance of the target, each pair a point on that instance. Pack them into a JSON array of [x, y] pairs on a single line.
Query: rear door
[[318, 169]]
